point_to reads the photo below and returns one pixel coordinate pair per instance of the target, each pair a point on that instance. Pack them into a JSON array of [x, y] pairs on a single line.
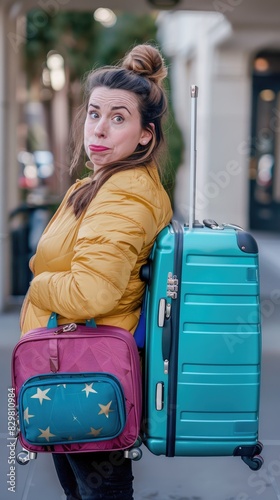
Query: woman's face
[[112, 128]]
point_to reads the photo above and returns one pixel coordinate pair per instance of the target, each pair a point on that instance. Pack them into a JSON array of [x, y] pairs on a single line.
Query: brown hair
[[142, 72]]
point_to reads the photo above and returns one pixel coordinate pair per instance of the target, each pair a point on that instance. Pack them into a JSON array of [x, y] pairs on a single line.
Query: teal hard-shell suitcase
[[202, 357]]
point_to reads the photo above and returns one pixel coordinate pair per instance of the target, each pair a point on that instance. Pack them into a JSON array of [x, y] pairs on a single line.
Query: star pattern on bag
[[105, 409], [41, 395], [46, 434], [26, 415], [94, 432], [88, 388], [79, 416]]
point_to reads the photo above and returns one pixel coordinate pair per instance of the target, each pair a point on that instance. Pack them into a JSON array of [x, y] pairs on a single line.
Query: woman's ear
[[147, 135]]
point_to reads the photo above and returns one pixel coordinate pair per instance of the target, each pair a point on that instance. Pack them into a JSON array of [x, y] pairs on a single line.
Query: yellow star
[[41, 394], [88, 388], [105, 409], [94, 432], [46, 434], [26, 416]]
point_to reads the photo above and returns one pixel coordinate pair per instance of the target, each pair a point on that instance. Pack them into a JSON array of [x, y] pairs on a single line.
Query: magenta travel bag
[[77, 389]]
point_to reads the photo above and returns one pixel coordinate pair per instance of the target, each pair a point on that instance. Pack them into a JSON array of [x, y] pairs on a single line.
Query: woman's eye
[[118, 119], [93, 114]]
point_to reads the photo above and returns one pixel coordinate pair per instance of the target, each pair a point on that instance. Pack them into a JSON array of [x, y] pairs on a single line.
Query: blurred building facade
[[236, 66], [232, 54]]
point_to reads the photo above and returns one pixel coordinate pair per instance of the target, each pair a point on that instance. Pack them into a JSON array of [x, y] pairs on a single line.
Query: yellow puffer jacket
[[89, 267]]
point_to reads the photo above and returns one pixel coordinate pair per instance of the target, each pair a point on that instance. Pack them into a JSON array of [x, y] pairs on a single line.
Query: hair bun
[[147, 61]]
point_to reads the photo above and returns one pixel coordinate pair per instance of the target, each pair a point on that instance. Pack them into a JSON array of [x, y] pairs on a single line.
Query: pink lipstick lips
[[97, 149]]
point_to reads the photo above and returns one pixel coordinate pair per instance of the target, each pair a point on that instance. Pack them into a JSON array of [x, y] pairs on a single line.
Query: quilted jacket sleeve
[[117, 225]]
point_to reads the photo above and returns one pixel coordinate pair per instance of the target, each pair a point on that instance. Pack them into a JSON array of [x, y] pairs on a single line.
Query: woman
[[89, 257]]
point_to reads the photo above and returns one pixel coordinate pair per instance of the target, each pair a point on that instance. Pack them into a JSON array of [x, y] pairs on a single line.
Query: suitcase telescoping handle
[[194, 94]]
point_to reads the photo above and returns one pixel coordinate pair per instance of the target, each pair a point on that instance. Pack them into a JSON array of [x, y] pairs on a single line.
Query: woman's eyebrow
[[114, 108]]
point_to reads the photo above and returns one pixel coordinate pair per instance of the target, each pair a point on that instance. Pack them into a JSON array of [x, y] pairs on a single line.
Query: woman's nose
[[100, 129]]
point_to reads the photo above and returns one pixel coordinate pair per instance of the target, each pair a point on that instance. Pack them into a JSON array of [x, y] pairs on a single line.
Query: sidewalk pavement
[[160, 478]]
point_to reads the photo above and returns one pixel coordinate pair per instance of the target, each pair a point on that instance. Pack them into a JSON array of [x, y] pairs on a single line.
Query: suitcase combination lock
[[172, 286]]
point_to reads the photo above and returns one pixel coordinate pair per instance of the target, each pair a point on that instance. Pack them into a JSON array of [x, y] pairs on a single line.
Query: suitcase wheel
[[254, 463], [250, 455], [134, 454], [259, 447], [22, 457]]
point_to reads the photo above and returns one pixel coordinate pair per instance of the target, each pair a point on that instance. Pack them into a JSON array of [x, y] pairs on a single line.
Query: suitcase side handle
[[164, 322], [166, 340]]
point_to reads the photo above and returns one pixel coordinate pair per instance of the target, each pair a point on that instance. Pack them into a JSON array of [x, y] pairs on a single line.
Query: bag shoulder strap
[[52, 323]]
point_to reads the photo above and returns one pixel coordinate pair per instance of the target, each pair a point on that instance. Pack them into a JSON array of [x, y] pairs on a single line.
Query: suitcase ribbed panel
[[219, 348]]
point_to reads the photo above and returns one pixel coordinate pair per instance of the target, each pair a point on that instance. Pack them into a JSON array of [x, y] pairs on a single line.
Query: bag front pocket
[[71, 408]]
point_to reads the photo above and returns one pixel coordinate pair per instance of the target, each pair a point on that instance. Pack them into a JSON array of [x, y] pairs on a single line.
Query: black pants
[[95, 476]]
